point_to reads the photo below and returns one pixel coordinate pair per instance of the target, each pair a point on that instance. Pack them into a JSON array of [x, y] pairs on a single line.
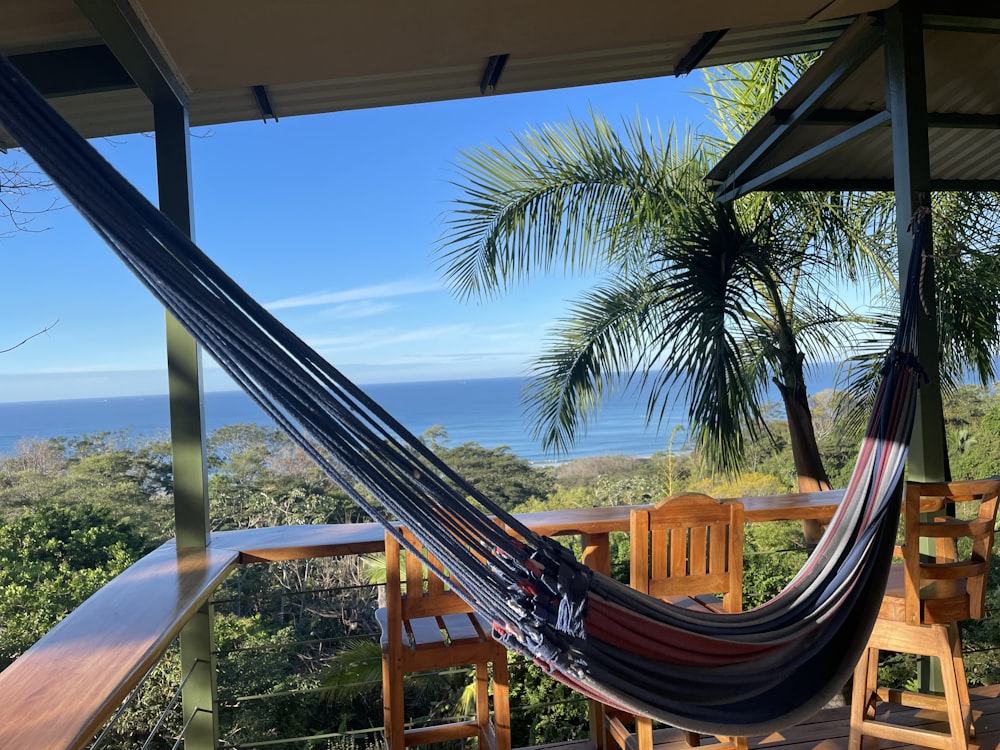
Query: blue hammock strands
[[737, 674]]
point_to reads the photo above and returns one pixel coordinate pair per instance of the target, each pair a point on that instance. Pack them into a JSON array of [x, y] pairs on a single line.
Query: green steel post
[[121, 28], [187, 430], [906, 96], [199, 696]]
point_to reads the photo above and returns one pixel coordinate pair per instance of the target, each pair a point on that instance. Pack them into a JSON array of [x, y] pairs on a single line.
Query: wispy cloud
[[372, 339], [399, 288], [356, 310]]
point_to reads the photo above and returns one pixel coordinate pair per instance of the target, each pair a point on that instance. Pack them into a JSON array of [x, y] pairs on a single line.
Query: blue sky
[[331, 220]]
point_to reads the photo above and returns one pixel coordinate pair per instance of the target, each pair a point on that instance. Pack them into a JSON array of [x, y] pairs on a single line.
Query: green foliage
[[560, 499], [243, 451], [602, 478], [543, 710], [973, 431], [51, 559], [57, 547], [353, 681], [630, 490], [283, 627], [101, 469], [23, 484], [748, 484], [498, 472], [259, 478], [773, 553], [258, 659], [135, 725], [966, 270], [354, 669], [980, 638]]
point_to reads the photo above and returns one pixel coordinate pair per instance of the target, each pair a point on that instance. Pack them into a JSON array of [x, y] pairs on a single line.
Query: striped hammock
[[735, 674]]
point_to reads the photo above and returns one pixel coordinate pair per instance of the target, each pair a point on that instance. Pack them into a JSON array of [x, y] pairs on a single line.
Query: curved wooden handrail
[[60, 692]]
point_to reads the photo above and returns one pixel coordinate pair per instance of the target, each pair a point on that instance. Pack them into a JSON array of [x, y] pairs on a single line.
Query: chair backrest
[[412, 589], [689, 545], [948, 584]]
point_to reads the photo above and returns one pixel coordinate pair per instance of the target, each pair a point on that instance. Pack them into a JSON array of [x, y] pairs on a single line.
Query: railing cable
[[126, 704], [170, 706], [183, 732]]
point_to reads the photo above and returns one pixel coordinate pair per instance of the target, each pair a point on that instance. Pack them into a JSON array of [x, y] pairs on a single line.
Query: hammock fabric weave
[[736, 674]]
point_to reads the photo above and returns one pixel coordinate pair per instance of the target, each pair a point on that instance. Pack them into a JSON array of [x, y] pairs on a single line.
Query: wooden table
[[57, 694]]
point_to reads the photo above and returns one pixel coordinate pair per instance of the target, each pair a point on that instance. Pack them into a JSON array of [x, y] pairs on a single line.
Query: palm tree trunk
[[809, 469]]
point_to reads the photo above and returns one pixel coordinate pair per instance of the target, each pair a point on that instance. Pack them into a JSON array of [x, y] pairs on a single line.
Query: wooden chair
[[926, 597], [427, 626], [687, 549]]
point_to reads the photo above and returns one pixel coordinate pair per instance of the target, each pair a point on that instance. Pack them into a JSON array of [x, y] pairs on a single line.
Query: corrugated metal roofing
[[320, 56], [963, 103]]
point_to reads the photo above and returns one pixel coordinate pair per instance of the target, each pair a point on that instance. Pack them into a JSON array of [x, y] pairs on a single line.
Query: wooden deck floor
[[828, 730]]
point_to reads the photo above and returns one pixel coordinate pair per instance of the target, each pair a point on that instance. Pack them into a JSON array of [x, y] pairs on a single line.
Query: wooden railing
[[61, 691]]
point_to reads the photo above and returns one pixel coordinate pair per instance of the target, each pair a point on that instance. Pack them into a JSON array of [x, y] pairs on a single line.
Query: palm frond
[[710, 285], [589, 356], [863, 370], [968, 309], [739, 95], [354, 670], [577, 196]]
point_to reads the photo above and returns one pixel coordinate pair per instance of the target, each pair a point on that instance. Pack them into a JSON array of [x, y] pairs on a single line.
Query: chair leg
[[598, 719], [483, 702], [871, 683], [955, 639], [953, 678], [614, 734], [860, 695], [726, 742], [644, 733], [392, 705], [501, 702], [735, 743], [939, 641]]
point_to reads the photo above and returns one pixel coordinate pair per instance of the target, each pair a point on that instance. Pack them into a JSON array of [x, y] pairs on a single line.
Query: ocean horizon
[[487, 411], [483, 410]]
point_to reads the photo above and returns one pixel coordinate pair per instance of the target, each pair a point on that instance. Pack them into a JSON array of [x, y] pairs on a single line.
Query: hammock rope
[[745, 673]]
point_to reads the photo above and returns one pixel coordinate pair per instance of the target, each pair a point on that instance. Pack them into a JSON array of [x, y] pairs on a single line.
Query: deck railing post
[[906, 96], [187, 431], [199, 695]]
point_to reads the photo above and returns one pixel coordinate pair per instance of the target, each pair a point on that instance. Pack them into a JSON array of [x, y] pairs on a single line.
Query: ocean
[[486, 411]]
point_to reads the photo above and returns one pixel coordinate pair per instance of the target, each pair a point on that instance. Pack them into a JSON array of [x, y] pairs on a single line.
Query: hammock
[[736, 674]]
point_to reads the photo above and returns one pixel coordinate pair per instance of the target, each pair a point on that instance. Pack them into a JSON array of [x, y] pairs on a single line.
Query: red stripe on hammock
[[650, 639]]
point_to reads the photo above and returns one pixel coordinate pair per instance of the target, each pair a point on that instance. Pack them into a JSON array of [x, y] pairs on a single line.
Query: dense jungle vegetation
[[296, 642]]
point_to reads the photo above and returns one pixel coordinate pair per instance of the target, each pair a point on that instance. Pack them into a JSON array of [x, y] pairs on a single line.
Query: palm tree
[[701, 301], [966, 239]]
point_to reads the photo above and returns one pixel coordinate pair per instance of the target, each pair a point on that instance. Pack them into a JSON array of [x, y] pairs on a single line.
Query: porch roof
[[236, 60], [832, 129]]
